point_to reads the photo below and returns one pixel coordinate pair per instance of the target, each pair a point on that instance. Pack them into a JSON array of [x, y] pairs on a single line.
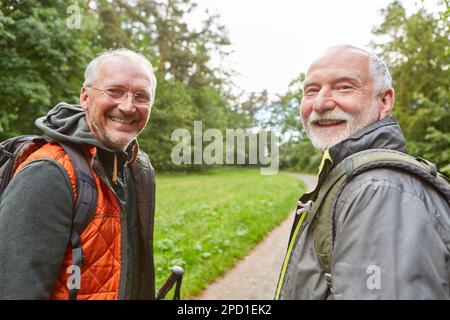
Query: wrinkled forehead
[[118, 69], [351, 60]]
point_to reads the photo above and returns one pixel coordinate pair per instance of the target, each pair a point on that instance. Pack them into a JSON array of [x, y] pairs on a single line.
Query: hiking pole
[[176, 276]]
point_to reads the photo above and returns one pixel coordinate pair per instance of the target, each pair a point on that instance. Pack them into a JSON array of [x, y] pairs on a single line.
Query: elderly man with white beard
[[373, 228]]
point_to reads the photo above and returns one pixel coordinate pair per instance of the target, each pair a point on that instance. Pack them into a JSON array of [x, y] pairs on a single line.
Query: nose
[[324, 101], [127, 104]]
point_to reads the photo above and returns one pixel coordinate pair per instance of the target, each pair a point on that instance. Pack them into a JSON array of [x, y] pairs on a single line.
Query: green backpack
[[332, 181]]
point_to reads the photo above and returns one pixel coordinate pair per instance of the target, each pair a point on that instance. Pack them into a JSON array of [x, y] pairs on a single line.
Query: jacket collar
[[129, 155], [383, 134], [113, 161]]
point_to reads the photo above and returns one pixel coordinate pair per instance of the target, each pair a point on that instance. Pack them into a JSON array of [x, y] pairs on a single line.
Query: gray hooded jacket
[[37, 206], [390, 237]]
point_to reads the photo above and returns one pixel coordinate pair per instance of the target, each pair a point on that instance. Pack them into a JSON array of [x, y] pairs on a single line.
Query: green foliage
[[418, 53], [300, 156], [177, 106], [41, 60], [287, 111], [436, 142], [173, 108], [211, 107], [205, 222], [182, 52]]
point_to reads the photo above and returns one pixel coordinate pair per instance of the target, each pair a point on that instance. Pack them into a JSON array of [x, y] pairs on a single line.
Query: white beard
[[353, 124]]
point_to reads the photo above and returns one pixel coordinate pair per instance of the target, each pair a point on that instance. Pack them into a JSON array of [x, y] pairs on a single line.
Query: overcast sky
[[274, 40]]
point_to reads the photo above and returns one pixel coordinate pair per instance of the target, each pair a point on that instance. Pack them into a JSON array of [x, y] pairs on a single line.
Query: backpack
[[15, 150], [330, 184]]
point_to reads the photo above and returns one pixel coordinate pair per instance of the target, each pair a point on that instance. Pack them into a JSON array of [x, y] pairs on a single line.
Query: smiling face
[[338, 97], [116, 123]]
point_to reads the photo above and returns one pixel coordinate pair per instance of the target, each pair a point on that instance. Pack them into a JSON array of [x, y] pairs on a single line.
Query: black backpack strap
[[85, 205]]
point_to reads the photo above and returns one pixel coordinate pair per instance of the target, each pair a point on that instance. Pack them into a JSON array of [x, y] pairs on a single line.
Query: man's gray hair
[[378, 69], [91, 73], [379, 72]]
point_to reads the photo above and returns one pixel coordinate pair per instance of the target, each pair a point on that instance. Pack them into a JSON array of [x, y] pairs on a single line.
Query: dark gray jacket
[[391, 233], [36, 215]]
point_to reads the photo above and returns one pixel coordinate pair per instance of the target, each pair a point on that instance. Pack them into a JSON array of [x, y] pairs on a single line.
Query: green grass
[[206, 221]]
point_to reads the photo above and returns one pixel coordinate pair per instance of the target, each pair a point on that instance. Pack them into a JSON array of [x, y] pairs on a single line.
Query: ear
[[386, 100], [84, 98]]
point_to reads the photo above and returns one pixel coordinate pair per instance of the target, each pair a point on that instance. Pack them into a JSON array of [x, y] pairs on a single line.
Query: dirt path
[[255, 277]]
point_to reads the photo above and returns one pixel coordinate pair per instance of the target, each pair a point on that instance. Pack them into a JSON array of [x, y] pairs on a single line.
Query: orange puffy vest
[[100, 241]]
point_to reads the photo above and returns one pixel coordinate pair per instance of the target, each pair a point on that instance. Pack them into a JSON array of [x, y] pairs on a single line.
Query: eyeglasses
[[140, 99]]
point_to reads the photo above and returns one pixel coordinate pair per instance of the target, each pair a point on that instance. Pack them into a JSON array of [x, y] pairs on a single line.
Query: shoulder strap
[[12, 152], [84, 207], [349, 168]]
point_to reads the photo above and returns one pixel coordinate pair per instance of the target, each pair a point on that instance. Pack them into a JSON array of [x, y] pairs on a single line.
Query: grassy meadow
[[206, 221]]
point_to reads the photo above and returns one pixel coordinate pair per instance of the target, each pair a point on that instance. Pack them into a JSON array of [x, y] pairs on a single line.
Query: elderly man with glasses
[[36, 210]]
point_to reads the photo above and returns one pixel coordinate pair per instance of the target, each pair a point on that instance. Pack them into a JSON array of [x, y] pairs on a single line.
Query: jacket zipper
[[292, 243]]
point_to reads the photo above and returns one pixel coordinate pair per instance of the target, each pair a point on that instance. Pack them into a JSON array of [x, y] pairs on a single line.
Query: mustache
[[335, 114]]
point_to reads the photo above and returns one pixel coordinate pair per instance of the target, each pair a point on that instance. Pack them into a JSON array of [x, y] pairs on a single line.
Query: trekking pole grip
[[175, 277]]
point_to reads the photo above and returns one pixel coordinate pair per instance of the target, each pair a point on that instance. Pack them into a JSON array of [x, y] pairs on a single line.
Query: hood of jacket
[[66, 122], [383, 134]]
